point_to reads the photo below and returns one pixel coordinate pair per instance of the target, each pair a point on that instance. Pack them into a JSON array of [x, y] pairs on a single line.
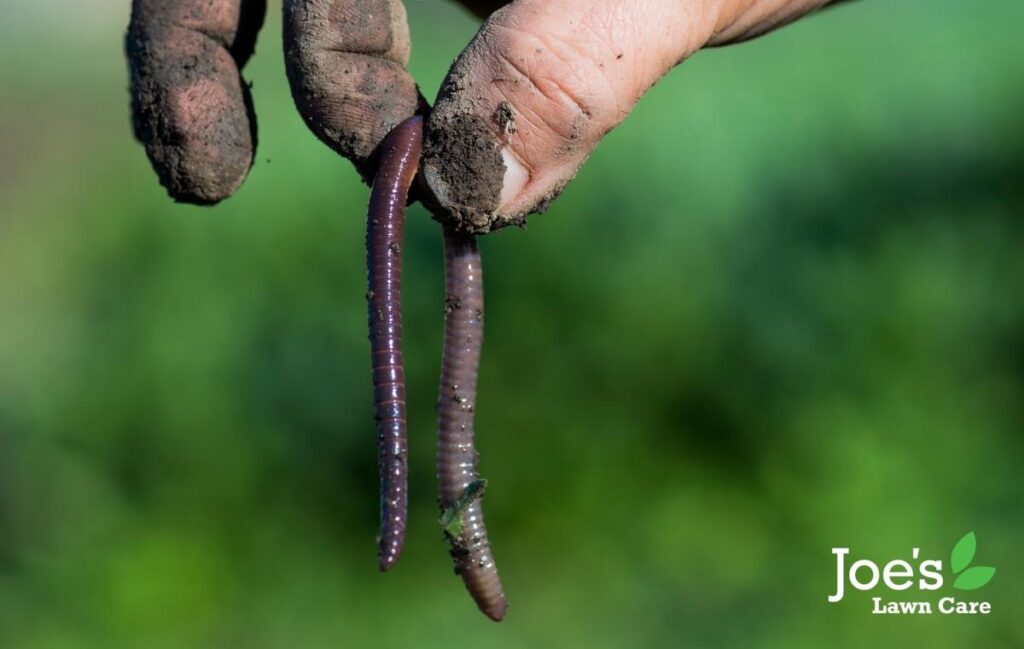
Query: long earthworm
[[461, 487], [385, 228]]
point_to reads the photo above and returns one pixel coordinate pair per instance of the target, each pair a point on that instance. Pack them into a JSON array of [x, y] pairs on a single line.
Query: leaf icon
[[974, 578], [963, 553]]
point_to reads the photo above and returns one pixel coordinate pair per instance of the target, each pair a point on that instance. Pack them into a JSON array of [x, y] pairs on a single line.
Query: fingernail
[[516, 177]]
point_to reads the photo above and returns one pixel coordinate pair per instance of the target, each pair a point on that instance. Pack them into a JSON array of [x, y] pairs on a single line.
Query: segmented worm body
[[385, 228], [460, 485]]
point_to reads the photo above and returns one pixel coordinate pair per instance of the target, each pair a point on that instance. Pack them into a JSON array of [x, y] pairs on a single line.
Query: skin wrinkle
[[520, 144], [521, 148], [571, 71], [578, 65], [210, 34], [345, 65], [582, 93], [186, 43], [762, 17], [541, 43], [514, 140], [726, 14], [549, 14], [609, 29], [560, 98], [558, 134]]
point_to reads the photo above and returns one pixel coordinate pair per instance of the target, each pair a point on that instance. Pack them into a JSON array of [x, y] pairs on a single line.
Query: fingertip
[[464, 167], [475, 175], [191, 108], [549, 81], [345, 64], [199, 132]]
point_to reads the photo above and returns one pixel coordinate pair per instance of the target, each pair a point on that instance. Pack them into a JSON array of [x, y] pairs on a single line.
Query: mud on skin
[[462, 161], [190, 106], [464, 168], [346, 69]]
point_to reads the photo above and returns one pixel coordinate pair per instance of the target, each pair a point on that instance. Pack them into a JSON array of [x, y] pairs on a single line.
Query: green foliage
[[453, 518], [778, 311]]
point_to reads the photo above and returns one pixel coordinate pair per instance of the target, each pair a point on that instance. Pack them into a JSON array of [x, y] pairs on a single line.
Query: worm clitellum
[[462, 515], [385, 227]]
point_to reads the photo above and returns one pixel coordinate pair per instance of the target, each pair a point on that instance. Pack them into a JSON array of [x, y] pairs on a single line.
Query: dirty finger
[[190, 106]]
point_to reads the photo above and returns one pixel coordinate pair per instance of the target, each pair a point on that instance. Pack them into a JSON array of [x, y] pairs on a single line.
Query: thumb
[[542, 82]]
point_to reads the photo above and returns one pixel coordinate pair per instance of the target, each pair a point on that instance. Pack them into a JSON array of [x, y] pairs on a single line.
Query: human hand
[[521, 109]]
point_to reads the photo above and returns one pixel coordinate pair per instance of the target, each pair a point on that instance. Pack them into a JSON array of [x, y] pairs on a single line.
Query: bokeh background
[[780, 310]]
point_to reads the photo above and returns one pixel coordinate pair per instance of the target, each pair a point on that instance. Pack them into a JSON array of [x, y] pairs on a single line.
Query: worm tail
[[460, 485], [385, 228]]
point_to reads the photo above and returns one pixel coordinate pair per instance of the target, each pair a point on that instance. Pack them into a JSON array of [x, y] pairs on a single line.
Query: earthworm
[[460, 485], [385, 227]]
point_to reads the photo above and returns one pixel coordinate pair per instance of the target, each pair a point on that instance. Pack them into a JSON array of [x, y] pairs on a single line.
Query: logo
[[924, 577]]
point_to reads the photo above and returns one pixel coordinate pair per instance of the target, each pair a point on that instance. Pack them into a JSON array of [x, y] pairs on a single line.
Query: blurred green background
[[780, 310]]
